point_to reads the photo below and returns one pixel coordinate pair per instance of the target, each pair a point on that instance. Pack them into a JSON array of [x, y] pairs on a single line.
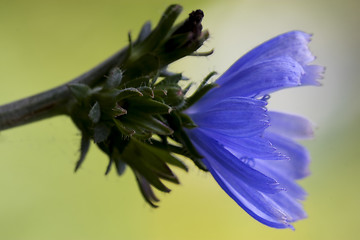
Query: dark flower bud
[[192, 25]]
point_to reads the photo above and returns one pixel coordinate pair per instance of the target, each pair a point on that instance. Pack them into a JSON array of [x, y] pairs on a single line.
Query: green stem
[[54, 101]]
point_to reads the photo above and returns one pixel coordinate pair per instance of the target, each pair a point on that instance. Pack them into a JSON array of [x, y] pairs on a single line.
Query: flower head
[[250, 151]]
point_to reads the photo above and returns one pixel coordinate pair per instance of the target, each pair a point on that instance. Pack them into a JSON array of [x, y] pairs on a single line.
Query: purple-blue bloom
[[251, 152]]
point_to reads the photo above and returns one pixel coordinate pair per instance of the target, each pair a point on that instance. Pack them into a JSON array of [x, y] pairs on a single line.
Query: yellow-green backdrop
[[44, 43]]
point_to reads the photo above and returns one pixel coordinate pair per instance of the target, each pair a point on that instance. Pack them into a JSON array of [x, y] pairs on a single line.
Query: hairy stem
[[54, 101]]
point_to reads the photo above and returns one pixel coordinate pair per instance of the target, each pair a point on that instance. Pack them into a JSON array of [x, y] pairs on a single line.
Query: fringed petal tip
[[312, 73], [290, 125], [299, 43]]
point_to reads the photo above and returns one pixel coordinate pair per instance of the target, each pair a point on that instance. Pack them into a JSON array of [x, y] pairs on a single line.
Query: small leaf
[[80, 91], [101, 132], [115, 78], [95, 113]]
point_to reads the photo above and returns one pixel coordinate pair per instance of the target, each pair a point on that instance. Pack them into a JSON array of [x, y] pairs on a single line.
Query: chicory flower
[[250, 151]]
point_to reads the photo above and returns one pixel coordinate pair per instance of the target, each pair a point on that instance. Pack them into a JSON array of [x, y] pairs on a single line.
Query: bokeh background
[[44, 43]]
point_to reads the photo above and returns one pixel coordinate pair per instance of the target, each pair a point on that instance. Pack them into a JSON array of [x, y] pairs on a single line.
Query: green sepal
[[136, 159], [202, 54], [207, 78], [124, 130], [147, 105], [95, 113], [143, 66], [149, 162], [195, 156], [79, 91], [101, 132], [147, 122], [114, 80], [144, 33], [160, 32], [187, 88], [163, 154], [147, 91], [160, 93], [136, 82], [178, 40], [108, 168], [119, 164], [164, 72], [171, 80], [174, 96], [172, 148], [146, 190], [126, 93], [169, 57], [118, 111], [199, 94], [84, 148], [186, 121], [181, 137]]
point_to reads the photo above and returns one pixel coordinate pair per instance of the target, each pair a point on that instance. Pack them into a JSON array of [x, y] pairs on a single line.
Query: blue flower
[[251, 152]]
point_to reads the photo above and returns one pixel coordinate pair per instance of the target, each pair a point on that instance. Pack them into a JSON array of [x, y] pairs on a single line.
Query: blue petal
[[253, 147], [298, 166], [222, 159], [260, 79], [256, 203], [291, 126], [236, 116], [293, 208], [292, 44], [275, 170]]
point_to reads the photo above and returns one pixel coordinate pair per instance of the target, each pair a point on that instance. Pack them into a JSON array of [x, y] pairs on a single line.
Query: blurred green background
[[45, 43]]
